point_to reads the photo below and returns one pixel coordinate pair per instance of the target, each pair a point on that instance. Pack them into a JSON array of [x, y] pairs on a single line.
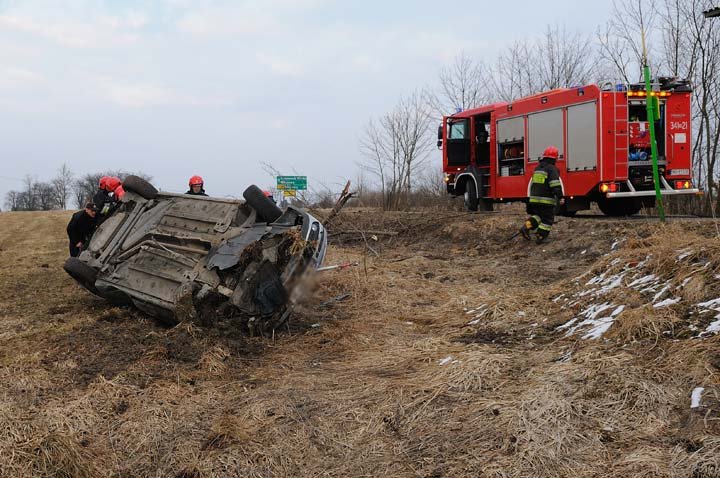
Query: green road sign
[[294, 183]]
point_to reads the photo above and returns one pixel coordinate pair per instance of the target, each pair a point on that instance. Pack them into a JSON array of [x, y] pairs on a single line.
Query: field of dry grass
[[457, 353]]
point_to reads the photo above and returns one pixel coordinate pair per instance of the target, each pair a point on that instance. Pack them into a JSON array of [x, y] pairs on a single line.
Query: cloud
[[218, 22], [11, 76], [101, 31], [131, 95], [280, 66]]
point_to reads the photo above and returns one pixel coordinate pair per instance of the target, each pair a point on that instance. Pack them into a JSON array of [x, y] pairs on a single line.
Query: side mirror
[[440, 136]]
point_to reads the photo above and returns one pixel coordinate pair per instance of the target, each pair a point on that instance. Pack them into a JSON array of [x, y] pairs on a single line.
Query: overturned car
[[181, 257]]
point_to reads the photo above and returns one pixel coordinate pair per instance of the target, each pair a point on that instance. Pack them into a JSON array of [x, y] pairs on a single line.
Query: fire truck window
[[457, 130], [637, 113]]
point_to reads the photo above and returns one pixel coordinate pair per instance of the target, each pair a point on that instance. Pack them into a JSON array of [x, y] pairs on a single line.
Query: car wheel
[[82, 273], [471, 197], [138, 185], [266, 209]]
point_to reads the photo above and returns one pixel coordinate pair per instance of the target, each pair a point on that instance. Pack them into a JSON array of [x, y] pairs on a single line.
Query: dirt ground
[[449, 351]]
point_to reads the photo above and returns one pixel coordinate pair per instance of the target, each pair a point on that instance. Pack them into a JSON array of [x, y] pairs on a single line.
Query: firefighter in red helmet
[[545, 195], [196, 185], [108, 196]]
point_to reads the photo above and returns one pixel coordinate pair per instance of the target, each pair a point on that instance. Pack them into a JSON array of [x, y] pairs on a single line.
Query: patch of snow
[[558, 298], [614, 245], [684, 254], [446, 360], [534, 325], [599, 327], [685, 281], [714, 327], [567, 324], [566, 357], [596, 326], [315, 326], [710, 304], [583, 252], [667, 302], [477, 309], [643, 280], [474, 322], [532, 336], [596, 279], [409, 323], [695, 397], [661, 293], [521, 314]]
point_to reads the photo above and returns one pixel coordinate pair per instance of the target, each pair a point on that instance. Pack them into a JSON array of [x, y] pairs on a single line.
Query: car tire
[[82, 273], [265, 208], [471, 197], [139, 186]]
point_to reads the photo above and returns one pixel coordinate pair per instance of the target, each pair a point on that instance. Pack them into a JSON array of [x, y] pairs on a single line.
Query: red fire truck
[[489, 153]]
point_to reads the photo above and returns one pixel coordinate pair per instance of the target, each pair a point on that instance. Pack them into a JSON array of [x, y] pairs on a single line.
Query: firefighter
[[545, 195], [196, 186], [81, 225], [108, 196]]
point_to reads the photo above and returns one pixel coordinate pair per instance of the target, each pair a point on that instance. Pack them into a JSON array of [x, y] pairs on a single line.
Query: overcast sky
[[175, 88]]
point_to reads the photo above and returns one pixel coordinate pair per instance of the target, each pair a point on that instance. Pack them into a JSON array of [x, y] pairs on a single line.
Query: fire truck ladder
[[622, 140]]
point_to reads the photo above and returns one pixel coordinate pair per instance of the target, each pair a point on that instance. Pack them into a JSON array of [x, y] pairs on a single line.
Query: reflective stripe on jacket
[[545, 186]]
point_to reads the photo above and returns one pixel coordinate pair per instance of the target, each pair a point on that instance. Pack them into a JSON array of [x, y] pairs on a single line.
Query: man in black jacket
[[80, 227], [545, 194]]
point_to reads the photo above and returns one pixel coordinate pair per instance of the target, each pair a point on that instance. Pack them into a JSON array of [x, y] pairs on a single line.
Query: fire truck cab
[[489, 153]]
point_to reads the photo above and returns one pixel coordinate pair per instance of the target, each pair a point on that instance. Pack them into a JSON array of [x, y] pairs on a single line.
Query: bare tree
[[395, 145], [564, 59], [63, 183], [27, 199], [13, 200], [620, 40], [558, 59], [513, 75], [462, 85]]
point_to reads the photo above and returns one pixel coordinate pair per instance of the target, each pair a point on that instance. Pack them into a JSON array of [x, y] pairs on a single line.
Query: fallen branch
[[345, 196]]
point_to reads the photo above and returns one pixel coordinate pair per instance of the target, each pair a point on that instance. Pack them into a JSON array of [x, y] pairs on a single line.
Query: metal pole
[[650, 104]]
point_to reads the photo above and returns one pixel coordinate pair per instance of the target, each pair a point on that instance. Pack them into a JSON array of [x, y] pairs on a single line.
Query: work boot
[[525, 233], [541, 238]]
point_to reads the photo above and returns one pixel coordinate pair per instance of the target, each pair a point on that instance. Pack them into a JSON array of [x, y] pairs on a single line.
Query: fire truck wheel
[[619, 207], [471, 197], [565, 213]]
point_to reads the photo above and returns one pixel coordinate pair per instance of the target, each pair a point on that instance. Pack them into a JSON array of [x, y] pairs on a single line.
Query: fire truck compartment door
[[582, 137], [545, 129], [510, 130]]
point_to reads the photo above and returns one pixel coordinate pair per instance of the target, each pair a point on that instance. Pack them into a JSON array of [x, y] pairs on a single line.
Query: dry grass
[[444, 361]]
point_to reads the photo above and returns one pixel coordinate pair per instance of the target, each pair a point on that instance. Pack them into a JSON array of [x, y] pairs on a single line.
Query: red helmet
[[196, 181], [551, 152], [267, 193], [110, 183]]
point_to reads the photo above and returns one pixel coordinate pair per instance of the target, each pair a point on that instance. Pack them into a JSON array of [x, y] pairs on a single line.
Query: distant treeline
[[64, 191]]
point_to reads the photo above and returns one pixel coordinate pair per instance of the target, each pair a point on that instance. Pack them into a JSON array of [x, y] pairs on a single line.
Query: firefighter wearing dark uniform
[[545, 195], [80, 227], [196, 186], [107, 198]]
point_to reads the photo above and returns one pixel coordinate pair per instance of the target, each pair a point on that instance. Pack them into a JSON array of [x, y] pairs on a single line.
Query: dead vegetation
[[445, 360]]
